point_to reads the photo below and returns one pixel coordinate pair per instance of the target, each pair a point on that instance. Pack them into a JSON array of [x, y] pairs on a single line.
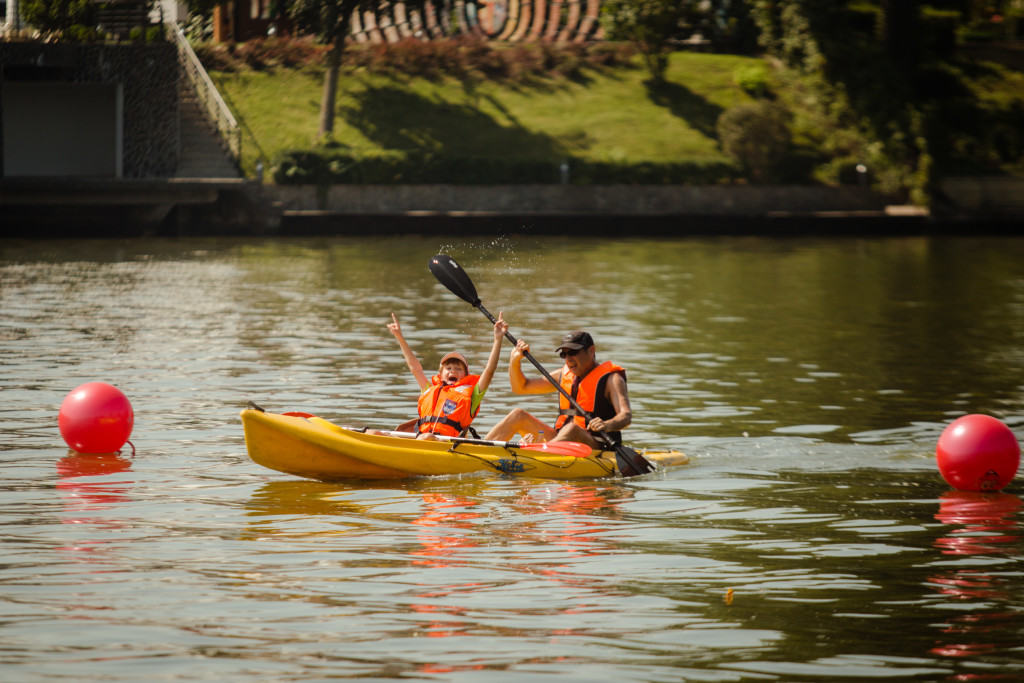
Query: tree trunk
[[330, 94], [900, 28]]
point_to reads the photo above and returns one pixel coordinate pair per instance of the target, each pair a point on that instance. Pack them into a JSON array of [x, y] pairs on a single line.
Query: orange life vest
[[447, 409], [589, 393]]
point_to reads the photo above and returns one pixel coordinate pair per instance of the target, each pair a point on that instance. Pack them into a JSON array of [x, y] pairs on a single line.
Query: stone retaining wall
[[643, 200], [988, 196]]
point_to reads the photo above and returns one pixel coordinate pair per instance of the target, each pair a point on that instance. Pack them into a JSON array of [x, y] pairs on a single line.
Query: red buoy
[[977, 453], [95, 418]]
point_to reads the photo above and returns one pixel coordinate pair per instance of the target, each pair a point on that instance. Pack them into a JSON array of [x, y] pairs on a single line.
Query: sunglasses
[[565, 353]]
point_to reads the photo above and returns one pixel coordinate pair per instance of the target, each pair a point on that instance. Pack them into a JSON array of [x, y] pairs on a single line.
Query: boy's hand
[[500, 327], [394, 327]]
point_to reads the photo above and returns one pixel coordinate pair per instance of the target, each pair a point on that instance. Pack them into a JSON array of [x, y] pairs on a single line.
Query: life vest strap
[[440, 420]]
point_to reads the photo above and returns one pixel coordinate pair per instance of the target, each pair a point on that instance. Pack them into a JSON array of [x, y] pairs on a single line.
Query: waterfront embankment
[[84, 207]]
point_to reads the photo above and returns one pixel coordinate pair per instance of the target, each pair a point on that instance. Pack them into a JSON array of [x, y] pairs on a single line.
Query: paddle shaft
[[457, 439], [479, 442]]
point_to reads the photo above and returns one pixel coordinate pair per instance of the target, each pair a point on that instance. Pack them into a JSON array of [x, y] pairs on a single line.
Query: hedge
[[315, 167]]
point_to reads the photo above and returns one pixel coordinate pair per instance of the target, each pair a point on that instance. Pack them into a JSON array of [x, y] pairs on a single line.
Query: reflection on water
[[89, 493], [979, 525], [443, 517], [983, 523], [808, 379]]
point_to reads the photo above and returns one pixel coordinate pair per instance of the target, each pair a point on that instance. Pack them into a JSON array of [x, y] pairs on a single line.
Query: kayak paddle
[[571, 448], [451, 275]]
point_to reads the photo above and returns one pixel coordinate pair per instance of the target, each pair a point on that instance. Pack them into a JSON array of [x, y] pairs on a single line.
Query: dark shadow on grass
[[400, 120], [687, 105], [579, 77]]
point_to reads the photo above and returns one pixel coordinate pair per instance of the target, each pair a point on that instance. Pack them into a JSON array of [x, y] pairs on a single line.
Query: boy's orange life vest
[[589, 393], [447, 409]]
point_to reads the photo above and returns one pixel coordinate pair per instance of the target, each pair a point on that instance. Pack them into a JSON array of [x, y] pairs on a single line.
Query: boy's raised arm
[[500, 328], [410, 358]]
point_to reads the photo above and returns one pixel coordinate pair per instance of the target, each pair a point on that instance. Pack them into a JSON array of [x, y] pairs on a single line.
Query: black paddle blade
[[452, 276], [630, 462]]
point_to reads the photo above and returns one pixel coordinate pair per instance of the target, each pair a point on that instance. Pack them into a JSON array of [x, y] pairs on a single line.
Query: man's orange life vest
[[589, 393], [447, 409]]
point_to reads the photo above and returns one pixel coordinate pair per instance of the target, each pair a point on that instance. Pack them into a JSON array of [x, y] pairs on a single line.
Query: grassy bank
[[465, 119], [601, 115]]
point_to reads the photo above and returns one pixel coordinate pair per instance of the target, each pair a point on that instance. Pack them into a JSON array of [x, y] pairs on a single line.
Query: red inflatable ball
[[977, 453], [95, 418]]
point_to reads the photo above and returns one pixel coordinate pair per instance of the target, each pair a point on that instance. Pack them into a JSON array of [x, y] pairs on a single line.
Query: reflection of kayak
[[317, 449]]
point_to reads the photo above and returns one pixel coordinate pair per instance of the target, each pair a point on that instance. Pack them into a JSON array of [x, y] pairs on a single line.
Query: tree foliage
[[330, 21], [649, 24], [866, 92]]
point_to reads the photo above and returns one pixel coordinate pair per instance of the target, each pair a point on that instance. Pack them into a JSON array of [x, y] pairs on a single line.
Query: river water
[[810, 538]]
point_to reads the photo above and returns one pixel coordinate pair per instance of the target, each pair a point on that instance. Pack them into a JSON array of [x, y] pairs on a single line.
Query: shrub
[[757, 136], [326, 166], [261, 53], [752, 79], [461, 57], [82, 34], [54, 17]]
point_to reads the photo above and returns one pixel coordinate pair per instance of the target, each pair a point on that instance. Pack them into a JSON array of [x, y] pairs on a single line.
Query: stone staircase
[[202, 154]]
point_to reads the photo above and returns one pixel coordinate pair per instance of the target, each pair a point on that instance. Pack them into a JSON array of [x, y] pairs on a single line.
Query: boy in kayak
[[450, 400], [600, 389]]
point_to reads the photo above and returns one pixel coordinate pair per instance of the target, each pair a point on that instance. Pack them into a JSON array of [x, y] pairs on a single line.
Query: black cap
[[574, 341]]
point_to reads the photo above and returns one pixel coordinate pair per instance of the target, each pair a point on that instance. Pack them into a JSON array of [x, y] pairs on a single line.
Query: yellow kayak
[[314, 448]]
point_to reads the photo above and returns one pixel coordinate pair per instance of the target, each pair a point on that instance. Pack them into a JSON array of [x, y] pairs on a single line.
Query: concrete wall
[[644, 200], [986, 196], [61, 129], [147, 76]]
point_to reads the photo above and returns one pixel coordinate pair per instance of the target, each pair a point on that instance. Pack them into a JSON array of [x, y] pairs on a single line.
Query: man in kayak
[[450, 400], [600, 389]]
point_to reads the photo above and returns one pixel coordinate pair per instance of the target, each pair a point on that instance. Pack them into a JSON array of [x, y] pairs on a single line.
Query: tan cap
[[453, 355]]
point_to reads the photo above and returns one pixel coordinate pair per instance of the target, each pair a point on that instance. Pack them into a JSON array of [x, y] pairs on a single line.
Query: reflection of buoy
[[981, 523], [76, 464], [977, 453], [95, 418]]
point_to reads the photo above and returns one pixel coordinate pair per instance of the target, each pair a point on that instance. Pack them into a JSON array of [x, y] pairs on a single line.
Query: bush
[[54, 17], [757, 136], [461, 57], [82, 34], [261, 53], [753, 80], [147, 34], [327, 166]]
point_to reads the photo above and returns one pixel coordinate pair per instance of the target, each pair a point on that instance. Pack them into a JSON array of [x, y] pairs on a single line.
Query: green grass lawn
[[607, 115]]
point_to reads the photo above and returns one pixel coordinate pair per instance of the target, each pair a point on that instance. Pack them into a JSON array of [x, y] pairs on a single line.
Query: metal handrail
[[208, 95]]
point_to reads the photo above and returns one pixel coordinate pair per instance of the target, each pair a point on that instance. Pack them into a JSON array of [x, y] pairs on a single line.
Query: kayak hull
[[314, 448]]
